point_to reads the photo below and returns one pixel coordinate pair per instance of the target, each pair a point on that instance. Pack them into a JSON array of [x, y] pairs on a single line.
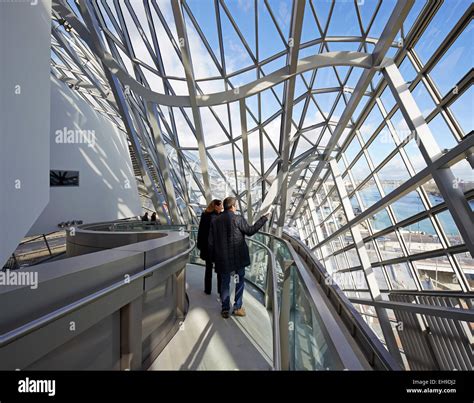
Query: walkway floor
[[206, 341]]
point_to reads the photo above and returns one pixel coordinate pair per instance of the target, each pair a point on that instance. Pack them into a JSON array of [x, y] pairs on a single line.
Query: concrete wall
[[25, 40], [107, 188]]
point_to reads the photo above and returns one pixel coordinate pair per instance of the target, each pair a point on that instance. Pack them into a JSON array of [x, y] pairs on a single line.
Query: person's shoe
[[207, 292], [239, 312], [225, 314]]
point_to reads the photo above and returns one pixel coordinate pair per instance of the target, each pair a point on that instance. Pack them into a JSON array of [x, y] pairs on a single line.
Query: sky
[[344, 22]]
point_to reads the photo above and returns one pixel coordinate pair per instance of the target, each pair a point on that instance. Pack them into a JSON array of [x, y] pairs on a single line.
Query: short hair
[[229, 202]]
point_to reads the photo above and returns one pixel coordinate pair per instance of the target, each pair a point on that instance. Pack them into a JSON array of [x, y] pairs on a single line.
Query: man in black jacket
[[230, 252]]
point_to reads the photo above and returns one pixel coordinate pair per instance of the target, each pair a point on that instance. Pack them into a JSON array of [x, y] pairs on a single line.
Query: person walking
[[211, 212], [145, 217], [153, 217], [230, 252]]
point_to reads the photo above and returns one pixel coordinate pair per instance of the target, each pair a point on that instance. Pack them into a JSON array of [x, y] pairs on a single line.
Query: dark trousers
[[208, 279], [239, 278]]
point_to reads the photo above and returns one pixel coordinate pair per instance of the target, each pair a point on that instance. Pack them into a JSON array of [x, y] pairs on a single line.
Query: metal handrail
[[272, 281], [44, 320], [422, 293], [438, 311]]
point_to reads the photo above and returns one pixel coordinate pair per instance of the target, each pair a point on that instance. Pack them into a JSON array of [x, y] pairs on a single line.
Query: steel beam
[[163, 163], [288, 102], [191, 83]]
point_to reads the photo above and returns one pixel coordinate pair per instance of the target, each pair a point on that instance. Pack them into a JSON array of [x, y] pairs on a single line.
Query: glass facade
[[373, 185]]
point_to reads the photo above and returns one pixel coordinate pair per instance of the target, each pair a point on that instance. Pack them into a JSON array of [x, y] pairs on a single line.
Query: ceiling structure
[[353, 117]]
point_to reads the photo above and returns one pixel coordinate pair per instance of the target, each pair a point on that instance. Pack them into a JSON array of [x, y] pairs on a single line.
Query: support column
[[163, 163], [189, 72], [245, 149]]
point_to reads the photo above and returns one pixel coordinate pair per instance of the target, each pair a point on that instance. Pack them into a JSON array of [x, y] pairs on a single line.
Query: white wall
[[107, 188], [25, 41]]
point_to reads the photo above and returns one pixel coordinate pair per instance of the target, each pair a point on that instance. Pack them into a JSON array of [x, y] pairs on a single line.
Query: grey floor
[[206, 341]]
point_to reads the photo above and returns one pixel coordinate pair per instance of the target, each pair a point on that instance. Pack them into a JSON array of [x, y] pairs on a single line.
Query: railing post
[[131, 335]]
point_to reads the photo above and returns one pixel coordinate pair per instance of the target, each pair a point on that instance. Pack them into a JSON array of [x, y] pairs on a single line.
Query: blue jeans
[[239, 278]]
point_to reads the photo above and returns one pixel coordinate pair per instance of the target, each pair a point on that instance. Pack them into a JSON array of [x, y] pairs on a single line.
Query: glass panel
[[436, 274], [420, 237], [372, 121], [400, 276], [359, 280], [310, 347], [441, 133], [444, 20], [380, 278], [423, 99], [407, 206], [360, 170], [381, 146], [389, 246], [380, 221], [256, 273], [352, 257], [370, 248], [369, 194], [393, 174], [455, 63], [450, 229], [462, 109], [407, 70], [466, 263], [434, 195], [387, 99]]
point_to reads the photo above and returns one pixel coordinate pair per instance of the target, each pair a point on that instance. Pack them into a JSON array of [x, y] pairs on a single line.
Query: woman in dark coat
[[212, 211]]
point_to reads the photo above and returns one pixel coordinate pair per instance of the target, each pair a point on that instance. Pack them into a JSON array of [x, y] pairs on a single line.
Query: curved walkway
[[206, 341]]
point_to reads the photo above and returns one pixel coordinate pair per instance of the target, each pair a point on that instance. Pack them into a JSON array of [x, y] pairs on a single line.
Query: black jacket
[[203, 233], [227, 244]]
